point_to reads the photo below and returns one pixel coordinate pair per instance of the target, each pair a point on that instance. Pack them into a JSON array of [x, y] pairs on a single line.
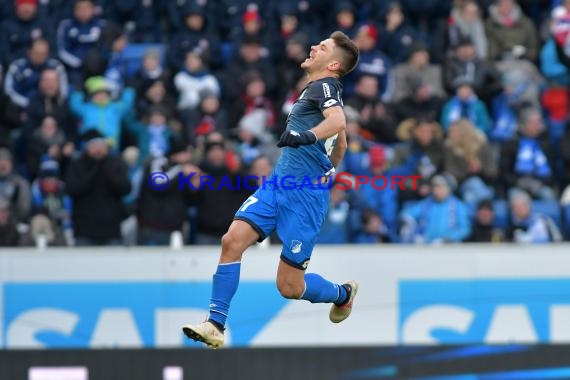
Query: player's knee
[[290, 290], [229, 241], [232, 244]]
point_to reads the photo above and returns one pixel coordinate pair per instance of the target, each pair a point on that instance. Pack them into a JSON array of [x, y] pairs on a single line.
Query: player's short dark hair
[[349, 53]]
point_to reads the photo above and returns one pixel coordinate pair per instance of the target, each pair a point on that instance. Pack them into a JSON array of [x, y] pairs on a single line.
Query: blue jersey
[[297, 213], [310, 160]]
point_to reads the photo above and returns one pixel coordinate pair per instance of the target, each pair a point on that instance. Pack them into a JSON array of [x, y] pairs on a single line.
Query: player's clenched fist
[[295, 139]]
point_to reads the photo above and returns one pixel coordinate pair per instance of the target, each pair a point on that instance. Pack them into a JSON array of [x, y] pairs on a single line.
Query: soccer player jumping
[[313, 144]]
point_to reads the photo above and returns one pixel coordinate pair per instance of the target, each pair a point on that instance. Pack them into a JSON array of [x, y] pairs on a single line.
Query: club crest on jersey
[[296, 246]]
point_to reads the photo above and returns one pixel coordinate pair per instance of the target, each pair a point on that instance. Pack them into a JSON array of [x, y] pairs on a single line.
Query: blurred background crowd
[[472, 95]]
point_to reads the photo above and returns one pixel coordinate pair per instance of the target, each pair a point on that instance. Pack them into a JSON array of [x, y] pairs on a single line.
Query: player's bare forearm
[[339, 149], [333, 123]]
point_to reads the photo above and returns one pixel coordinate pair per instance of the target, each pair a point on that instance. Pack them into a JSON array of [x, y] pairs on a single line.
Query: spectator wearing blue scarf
[[528, 226], [439, 218], [519, 93], [505, 119], [155, 135], [465, 105], [51, 206], [526, 161]]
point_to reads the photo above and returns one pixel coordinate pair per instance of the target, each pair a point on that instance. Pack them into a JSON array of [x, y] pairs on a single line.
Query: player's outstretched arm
[[339, 149]]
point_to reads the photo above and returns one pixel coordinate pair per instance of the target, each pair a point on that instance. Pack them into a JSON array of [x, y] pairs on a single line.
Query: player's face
[[320, 57]]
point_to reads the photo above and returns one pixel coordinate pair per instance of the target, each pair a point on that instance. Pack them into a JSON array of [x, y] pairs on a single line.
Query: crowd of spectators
[[471, 95]]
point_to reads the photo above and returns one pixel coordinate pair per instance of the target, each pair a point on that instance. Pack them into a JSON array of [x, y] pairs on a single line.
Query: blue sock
[[319, 290], [226, 280]]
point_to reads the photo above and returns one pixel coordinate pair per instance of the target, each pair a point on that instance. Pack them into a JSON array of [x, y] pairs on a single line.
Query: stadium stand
[[166, 85]]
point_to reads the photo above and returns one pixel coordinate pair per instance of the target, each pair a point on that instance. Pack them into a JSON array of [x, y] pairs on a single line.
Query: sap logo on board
[[484, 311], [93, 315]]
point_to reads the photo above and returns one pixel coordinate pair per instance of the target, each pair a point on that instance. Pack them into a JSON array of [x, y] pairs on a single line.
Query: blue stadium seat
[[556, 131], [501, 208], [548, 208], [408, 204], [471, 210], [566, 212], [228, 51], [134, 53]]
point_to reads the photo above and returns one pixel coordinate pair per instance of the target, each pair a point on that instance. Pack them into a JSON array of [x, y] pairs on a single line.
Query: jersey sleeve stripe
[[326, 90]]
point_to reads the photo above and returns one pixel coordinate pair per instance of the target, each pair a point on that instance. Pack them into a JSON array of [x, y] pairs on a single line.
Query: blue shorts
[[297, 216]]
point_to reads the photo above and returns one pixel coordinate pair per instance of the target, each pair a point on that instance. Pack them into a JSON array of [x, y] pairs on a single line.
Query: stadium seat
[[134, 53], [556, 131], [471, 210], [228, 51], [501, 208], [566, 212], [548, 208], [408, 204]]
